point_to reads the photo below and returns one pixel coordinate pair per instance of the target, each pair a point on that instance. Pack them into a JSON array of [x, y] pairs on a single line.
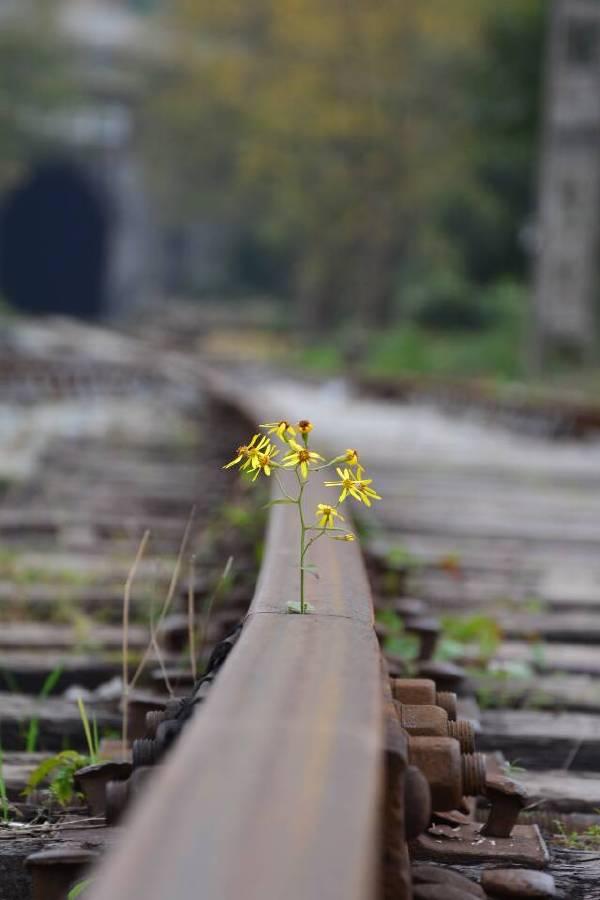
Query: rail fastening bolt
[[508, 799]]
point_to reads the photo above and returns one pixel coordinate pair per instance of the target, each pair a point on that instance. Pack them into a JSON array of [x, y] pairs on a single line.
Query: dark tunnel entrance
[[53, 243]]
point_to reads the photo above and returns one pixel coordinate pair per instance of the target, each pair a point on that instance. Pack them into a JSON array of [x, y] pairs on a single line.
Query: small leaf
[[78, 889], [294, 607]]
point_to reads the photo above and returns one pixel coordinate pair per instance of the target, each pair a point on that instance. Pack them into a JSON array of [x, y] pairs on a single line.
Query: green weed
[[493, 685], [34, 724], [91, 733], [59, 770], [3, 794], [398, 642], [513, 768], [462, 632], [589, 839], [78, 889]]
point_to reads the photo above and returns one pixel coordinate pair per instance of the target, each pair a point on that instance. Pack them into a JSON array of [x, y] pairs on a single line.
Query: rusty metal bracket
[[465, 844]]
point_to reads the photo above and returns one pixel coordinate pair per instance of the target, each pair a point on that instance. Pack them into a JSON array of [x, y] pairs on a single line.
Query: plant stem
[[302, 538], [125, 648], [313, 539]]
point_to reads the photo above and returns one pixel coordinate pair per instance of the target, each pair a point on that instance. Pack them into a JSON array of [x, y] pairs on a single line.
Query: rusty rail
[[274, 789]]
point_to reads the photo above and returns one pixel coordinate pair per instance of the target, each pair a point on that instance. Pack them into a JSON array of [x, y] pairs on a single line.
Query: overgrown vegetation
[[35, 83], [33, 728], [59, 770], [477, 634], [377, 165], [588, 839], [398, 641]]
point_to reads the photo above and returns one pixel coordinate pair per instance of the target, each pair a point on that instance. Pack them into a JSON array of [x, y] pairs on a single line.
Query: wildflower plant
[[263, 456]]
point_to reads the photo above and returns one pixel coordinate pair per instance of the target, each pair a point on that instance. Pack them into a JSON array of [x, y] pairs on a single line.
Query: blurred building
[[79, 232], [567, 271]]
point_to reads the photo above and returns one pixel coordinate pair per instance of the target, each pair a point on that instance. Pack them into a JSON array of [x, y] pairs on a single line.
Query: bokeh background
[[390, 185]]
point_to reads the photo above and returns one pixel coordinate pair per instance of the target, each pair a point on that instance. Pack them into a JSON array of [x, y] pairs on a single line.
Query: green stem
[[302, 538], [312, 541], [326, 465]]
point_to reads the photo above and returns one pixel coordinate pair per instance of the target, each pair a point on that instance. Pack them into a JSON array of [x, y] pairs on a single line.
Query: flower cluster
[[258, 457]]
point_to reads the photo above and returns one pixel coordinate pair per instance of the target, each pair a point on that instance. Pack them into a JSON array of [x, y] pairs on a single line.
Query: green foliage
[[3, 794], [34, 725], [538, 653], [444, 301], [461, 632], [91, 733], [493, 349], [34, 83], [316, 129], [412, 350], [78, 889], [59, 772], [325, 359], [589, 839], [399, 558], [495, 685], [343, 143], [398, 643], [502, 93]]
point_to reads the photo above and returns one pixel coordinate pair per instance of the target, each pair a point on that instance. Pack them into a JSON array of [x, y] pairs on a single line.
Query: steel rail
[[274, 789]]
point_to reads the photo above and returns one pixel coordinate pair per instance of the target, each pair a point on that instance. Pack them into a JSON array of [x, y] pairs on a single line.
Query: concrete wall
[[566, 276]]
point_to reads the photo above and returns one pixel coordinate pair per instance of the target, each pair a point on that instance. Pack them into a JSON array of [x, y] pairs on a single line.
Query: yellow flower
[[264, 461], [301, 457], [247, 453], [304, 426], [326, 515], [355, 487], [280, 429], [343, 537], [353, 459]]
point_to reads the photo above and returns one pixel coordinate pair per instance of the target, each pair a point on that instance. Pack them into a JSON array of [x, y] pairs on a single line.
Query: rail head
[[274, 788]]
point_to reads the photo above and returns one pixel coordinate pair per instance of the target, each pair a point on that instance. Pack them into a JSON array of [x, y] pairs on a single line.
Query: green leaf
[[34, 725], [49, 765], [86, 728], [405, 646], [32, 735], [51, 681], [310, 570], [78, 889], [294, 607]]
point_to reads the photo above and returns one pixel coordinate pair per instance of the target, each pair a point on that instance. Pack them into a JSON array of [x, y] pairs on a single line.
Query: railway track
[[294, 778]]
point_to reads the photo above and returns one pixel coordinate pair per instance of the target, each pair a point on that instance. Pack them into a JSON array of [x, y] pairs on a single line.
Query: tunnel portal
[[53, 243]]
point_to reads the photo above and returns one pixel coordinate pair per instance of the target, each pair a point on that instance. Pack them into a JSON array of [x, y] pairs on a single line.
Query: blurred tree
[[502, 89], [328, 130], [33, 83]]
